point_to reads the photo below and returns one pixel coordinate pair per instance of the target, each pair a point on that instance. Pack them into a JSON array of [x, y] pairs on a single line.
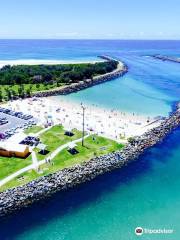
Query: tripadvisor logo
[[139, 231]]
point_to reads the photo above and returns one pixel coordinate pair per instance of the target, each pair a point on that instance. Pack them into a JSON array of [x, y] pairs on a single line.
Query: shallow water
[[146, 193], [150, 87]]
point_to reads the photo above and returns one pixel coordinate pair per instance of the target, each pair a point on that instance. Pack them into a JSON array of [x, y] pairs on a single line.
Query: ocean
[[145, 193]]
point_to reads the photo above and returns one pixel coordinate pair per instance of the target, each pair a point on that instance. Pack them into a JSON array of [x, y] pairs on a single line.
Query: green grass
[[27, 86], [92, 148], [54, 137], [64, 159], [41, 87], [34, 129], [11, 165]]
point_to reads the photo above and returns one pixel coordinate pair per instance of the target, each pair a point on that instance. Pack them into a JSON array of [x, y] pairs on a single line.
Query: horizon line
[[95, 39]]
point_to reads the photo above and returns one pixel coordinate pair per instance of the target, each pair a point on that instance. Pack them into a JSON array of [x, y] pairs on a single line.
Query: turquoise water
[[148, 88], [145, 193], [125, 94]]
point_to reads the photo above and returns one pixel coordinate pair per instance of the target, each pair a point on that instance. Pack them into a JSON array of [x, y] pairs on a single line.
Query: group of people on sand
[[109, 123]]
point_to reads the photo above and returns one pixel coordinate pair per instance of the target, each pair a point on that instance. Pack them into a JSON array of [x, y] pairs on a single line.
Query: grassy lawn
[[11, 165], [92, 148], [35, 87], [54, 137], [34, 129]]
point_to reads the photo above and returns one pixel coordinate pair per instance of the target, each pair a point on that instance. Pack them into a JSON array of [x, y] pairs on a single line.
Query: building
[[13, 150]]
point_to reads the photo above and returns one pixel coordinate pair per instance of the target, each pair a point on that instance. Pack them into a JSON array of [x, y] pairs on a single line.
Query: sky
[[90, 19]]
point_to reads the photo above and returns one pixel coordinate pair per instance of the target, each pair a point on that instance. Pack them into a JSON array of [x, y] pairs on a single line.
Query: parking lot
[[13, 122]]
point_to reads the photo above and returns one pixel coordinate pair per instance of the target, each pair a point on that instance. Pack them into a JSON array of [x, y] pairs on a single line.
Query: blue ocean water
[[152, 83], [145, 193]]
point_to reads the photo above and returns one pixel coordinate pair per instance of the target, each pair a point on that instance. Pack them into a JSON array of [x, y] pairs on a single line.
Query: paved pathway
[[16, 174], [42, 131], [34, 160], [36, 163]]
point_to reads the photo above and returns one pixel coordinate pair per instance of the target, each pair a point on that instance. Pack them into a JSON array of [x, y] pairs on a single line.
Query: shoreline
[[44, 62], [110, 123], [14, 199], [121, 69]]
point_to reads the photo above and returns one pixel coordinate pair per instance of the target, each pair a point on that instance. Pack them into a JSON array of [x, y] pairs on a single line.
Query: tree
[[51, 74], [30, 88], [1, 97], [37, 86], [21, 91], [48, 77], [28, 92], [18, 78], [8, 93], [14, 93]]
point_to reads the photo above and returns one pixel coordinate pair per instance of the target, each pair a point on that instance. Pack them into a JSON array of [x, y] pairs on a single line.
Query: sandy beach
[[109, 123], [48, 62]]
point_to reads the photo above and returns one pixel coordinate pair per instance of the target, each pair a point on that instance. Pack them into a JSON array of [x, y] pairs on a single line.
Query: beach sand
[[108, 123], [46, 62]]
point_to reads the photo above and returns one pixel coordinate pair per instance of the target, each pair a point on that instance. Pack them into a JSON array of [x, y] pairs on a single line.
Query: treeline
[[48, 74], [8, 93]]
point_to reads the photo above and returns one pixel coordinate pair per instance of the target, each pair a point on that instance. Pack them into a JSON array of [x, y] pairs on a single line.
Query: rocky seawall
[[166, 58], [120, 71], [13, 199]]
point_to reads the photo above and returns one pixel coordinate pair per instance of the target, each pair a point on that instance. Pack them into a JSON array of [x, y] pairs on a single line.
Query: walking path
[[16, 174], [42, 131], [36, 164], [34, 160]]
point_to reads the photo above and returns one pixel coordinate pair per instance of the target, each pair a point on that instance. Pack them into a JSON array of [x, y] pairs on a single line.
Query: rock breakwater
[[120, 71], [19, 197], [166, 58]]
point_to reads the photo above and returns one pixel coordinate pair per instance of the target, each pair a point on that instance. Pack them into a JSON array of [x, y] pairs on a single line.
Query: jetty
[[16, 198], [108, 58], [167, 58], [75, 87]]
